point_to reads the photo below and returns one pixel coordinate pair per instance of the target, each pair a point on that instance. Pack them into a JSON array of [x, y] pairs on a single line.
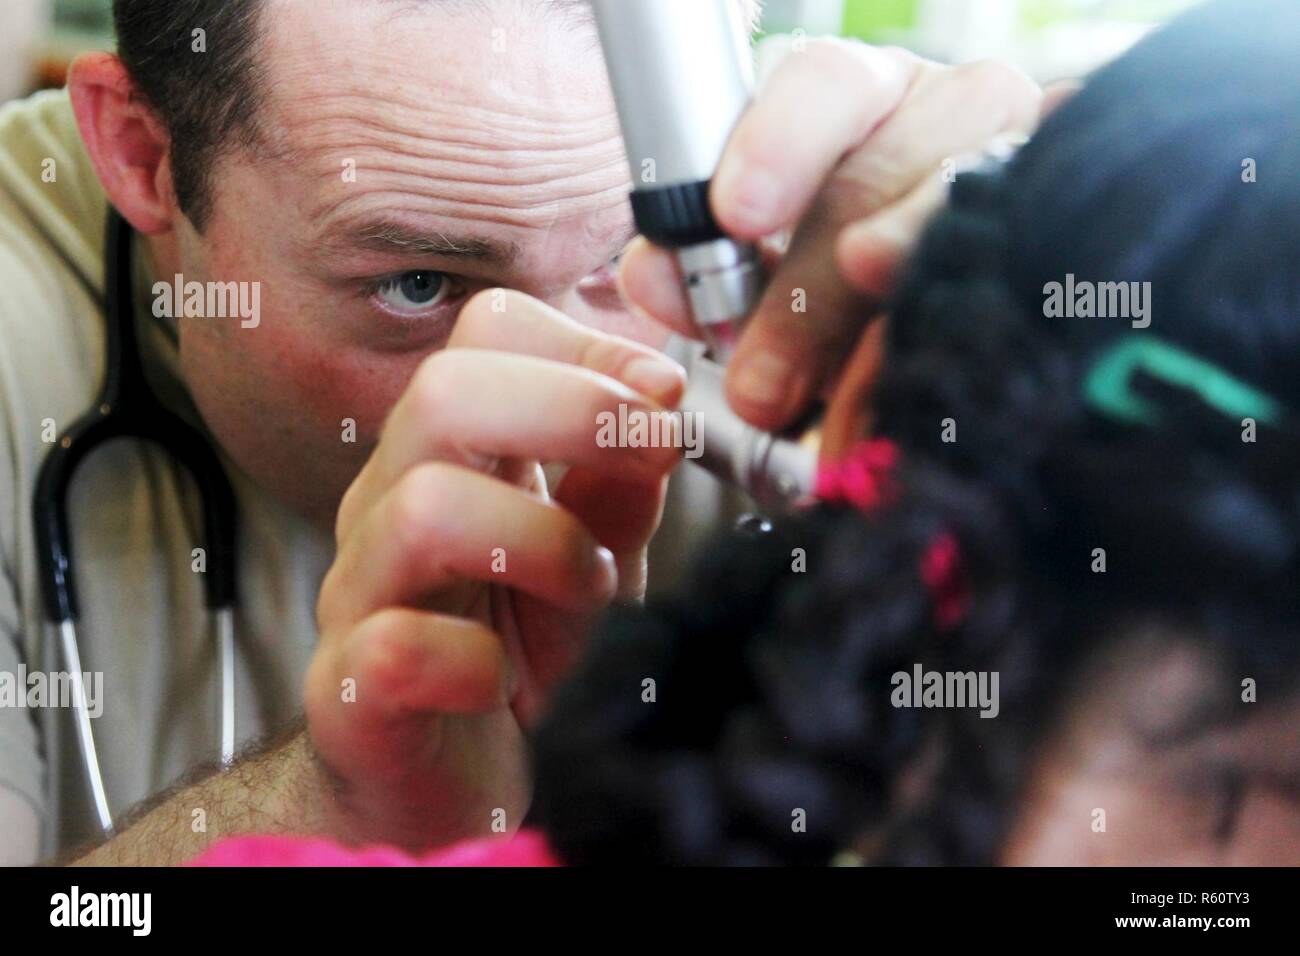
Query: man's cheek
[[348, 393]]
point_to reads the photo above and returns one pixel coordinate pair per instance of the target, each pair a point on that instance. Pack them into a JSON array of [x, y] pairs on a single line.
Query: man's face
[[421, 153]]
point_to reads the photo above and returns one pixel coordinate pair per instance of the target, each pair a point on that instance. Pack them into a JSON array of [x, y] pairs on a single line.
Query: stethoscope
[[128, 408]]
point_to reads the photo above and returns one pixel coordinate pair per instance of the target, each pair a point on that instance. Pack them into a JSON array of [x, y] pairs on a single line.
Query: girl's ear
[[848, 414]]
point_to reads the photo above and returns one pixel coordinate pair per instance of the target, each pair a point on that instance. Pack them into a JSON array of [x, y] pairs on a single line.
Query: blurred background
[[1050, 39]]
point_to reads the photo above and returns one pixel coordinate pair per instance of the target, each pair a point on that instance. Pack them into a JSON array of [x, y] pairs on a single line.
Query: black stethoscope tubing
[[128, 408]]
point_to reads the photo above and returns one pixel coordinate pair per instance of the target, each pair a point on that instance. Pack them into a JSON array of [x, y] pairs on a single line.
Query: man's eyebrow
[[395, 238]]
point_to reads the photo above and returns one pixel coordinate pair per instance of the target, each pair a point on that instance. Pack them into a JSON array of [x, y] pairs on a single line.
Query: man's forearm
[[278, 789]]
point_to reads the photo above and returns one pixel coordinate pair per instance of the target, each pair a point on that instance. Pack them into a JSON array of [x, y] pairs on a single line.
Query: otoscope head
[[724, 281]]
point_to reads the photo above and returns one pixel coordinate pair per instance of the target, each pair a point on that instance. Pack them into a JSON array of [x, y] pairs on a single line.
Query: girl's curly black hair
[[771, 686]]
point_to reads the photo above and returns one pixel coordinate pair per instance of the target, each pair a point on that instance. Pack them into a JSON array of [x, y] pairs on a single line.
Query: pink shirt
[[526, 848]]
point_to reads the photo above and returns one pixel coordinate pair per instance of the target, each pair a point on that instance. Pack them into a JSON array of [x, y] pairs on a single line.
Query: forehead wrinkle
[[542, 213], [494, 195], [541, 184], [558, 164], [518, 166], [474, 181], [477, 124]]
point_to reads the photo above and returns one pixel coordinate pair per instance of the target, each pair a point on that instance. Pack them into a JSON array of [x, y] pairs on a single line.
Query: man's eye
[[414, 291]]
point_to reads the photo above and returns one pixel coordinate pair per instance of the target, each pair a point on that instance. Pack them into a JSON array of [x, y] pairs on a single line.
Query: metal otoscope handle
[[682, 75], [778, 471]]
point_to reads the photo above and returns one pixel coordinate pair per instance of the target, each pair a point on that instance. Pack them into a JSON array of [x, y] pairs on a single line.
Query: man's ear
[[127, 144]]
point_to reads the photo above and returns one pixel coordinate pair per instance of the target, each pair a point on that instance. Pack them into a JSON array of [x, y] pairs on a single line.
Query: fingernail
[[764, 379], [653, 377], [606, 572], [750, 196]]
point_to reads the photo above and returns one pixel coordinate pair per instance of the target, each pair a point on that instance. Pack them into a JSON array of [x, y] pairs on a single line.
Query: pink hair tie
[[942, 572], [864, 478]]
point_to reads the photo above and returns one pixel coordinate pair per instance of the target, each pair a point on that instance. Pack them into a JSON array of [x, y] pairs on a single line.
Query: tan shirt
[[135, 519]]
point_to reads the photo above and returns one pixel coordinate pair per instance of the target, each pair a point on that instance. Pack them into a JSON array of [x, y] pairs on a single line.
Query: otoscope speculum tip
[[724, 282]]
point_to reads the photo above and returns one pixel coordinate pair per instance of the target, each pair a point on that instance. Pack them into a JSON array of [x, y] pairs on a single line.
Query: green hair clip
[[1108, 387]]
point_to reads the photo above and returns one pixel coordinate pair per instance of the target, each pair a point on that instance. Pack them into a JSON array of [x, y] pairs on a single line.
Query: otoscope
[[682, 75]]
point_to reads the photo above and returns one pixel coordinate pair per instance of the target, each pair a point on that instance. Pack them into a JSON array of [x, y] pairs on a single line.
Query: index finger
[[787, 354]]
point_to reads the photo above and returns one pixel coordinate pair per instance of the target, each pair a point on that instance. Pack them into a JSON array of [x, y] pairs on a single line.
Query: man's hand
[[461, 589], [846, 146]]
